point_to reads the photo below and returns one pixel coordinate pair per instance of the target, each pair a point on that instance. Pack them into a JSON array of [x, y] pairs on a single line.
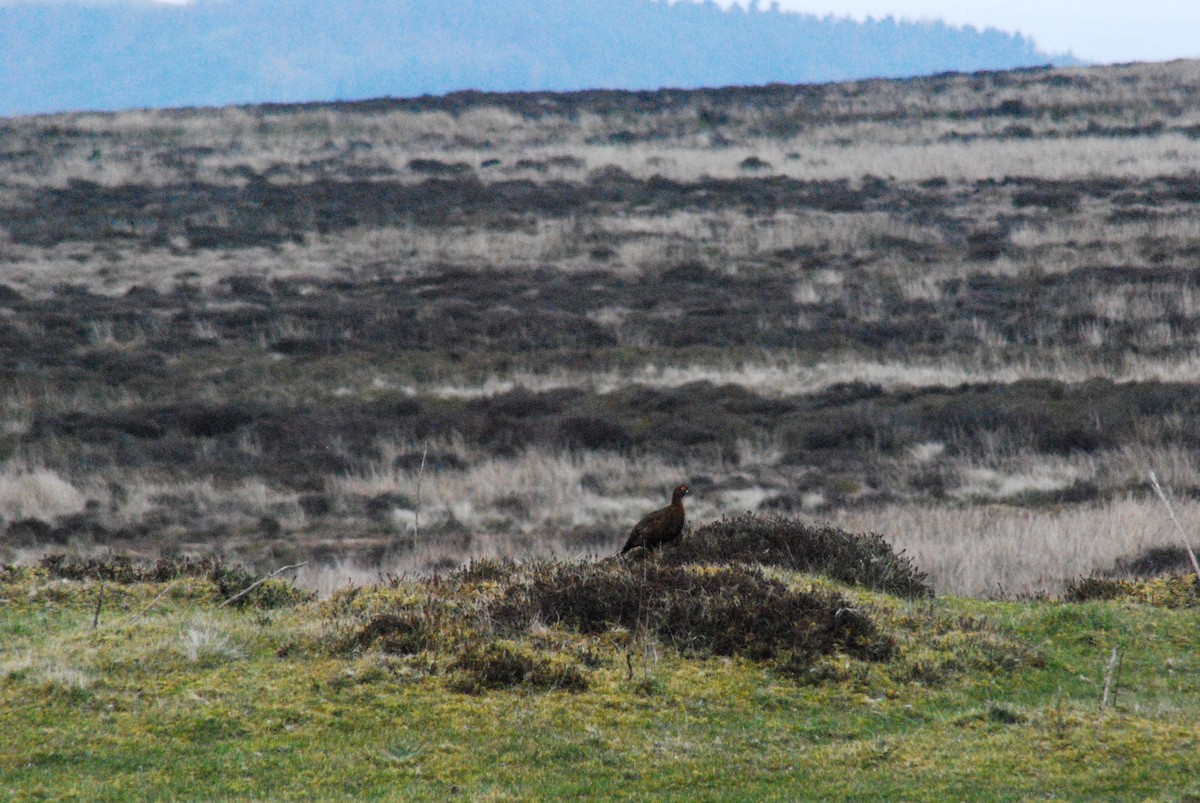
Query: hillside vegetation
[[391, 336]]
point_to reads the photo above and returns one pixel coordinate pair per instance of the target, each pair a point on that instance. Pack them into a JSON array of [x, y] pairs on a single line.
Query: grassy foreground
[[173, 697]]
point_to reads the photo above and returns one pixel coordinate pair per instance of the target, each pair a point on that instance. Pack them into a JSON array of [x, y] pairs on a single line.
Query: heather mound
[[788, 543], [541, 624]]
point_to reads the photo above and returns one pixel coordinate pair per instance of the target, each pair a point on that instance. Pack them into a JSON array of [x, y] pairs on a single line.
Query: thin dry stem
[[1179, 527], [1110, 685], [417, 512], [152, 603], [259, 582]]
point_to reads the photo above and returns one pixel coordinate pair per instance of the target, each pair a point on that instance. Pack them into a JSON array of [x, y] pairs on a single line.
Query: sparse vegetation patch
[[227, 581], [1168, 590]]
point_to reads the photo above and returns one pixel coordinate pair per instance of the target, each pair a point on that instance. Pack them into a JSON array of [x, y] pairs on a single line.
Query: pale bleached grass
[[37, 492], [975, 547], [1087, 233], [1006, 469], [536, 489], [204, 500], [875, 128], [905, 155], [53, 671], [784, 375], [990, 483], [204, 640], [996, 550], [67, 677], [974, 160], [128, 499], [527, 505]]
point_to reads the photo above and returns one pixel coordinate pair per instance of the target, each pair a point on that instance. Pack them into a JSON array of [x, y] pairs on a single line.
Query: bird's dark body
[[660, 527]]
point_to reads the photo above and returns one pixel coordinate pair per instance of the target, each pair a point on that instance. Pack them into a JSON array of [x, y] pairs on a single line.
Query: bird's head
[[680, 492]]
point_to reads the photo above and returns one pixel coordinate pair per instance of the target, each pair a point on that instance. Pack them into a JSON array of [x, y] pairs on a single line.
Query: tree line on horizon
[[61, 57]]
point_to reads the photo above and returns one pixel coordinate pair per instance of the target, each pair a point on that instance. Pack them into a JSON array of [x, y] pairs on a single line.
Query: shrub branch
[[1178, 527], [259, 582]]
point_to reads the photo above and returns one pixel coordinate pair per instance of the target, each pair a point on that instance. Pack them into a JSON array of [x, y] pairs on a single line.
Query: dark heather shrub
[[859, 559], [227, 580], [1154, 561], [709, 611], [503, 664]]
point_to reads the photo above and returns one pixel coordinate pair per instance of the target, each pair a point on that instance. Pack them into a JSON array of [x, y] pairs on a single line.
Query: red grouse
[[661, 526]]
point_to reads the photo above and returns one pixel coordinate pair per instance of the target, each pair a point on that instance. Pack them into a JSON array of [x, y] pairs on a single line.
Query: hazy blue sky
[[1099, 30], [1093, 30]]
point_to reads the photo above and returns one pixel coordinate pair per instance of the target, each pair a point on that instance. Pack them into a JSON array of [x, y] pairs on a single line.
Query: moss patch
[[1167, 591]]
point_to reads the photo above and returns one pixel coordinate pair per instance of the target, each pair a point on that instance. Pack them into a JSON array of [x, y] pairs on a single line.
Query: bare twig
[[153, 602], [99, 602], [1110, 684], [257, 583], [1179, 527], [417, 513], [1060, 728]]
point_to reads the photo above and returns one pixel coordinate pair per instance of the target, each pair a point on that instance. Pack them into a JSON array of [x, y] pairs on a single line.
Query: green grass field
[[981, 700]]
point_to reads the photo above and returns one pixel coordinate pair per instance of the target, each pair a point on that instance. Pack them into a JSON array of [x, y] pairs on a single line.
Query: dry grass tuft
[[993, 550], [205, 642], [40, 493]]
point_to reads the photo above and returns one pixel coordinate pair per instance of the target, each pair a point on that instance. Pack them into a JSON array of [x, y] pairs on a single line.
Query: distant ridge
[[62, 57]]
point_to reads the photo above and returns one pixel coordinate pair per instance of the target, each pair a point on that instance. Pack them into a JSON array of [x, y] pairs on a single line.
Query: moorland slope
[[958, 310]]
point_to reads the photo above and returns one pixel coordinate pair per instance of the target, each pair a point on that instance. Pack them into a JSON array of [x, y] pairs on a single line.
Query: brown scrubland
[[386, 337]]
